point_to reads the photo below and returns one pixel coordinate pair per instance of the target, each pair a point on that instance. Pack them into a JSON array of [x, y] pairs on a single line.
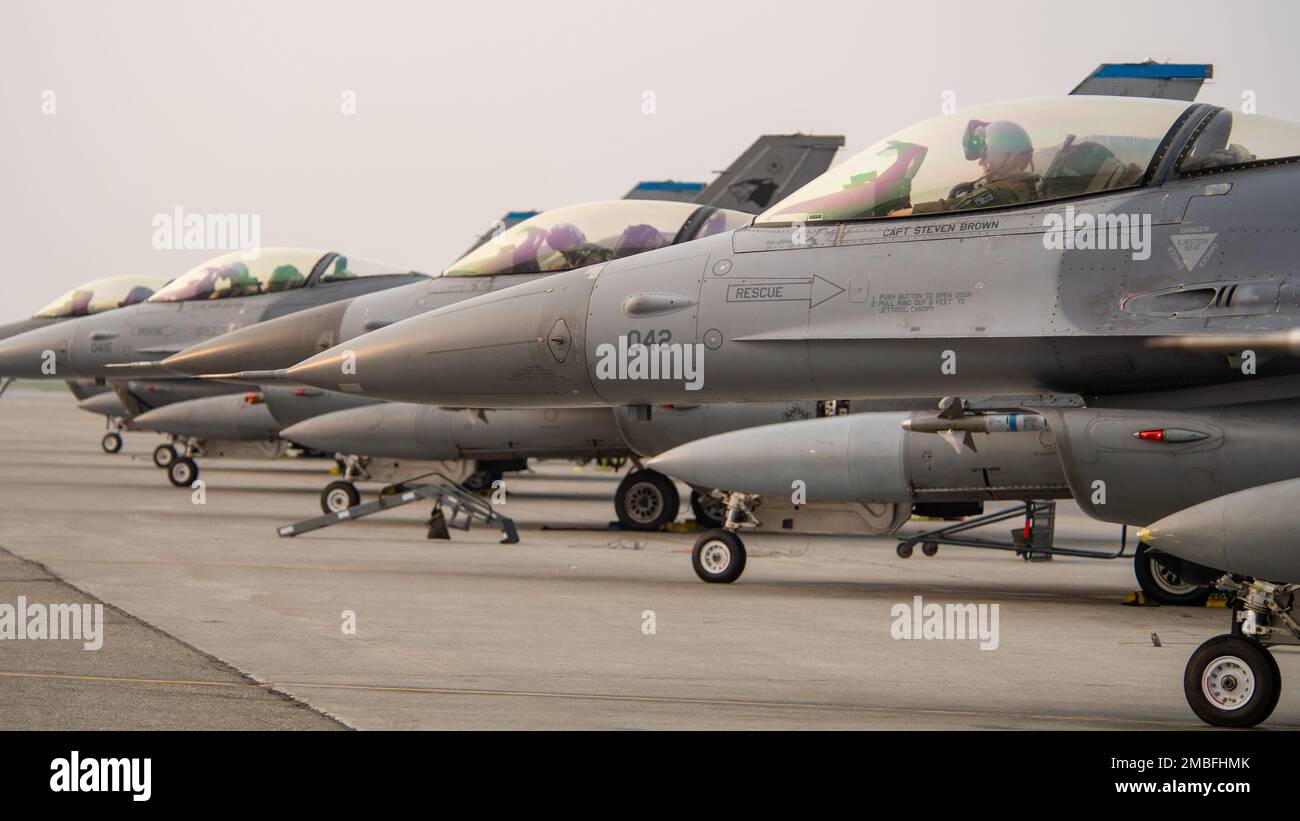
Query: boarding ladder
[[453, 507]]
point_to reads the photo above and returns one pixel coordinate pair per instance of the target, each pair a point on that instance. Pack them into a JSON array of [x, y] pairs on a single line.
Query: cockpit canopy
[[102, 295], [1229, 140], [268, 270], [572, 237], [989, 156]]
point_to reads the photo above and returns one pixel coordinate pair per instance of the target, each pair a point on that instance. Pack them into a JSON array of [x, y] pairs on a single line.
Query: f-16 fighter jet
[[1075, 247]]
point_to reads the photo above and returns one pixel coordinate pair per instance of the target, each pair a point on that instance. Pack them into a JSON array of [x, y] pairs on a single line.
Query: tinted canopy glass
[[578, 235], [102, 295], [1231, 139], [239, 273], [342, 267], [990, 156]]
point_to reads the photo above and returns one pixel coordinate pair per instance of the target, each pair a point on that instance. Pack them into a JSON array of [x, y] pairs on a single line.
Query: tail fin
[[666, 190], [774, 166], [1166, 81]]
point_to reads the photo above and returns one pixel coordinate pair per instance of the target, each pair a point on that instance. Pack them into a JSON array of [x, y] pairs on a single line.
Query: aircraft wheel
[[930, 548], [1232, 681], [708, 511], [164, 455], [719, 556], [339, 495], [481, 478], [111, 443], [1164, 586], [646, 500], [904, 550], [182, 472]]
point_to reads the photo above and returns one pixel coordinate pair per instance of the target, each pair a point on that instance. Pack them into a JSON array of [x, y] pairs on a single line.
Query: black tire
[[646, 500], [718, 557], [183, 472], [337, 493], [1232, 681], [1163, 586], [111, 443], [708, 511], [930, 548], [164, 455], [904, 550], [481, 479]]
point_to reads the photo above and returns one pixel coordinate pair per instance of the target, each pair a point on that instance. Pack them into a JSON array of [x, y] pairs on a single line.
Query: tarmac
[[213, 621]]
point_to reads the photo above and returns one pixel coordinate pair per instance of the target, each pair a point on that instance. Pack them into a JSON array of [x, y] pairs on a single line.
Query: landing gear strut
[[1233, 680], [182, 470], [339, 495], [112, 441], [342, 493], [719, 555]]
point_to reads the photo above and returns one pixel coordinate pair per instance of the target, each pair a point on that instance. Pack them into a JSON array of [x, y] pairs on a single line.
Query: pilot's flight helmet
[[565, 237], [995, 141]]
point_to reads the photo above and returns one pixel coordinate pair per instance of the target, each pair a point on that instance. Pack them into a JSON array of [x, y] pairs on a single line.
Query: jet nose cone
[[496, 350], [680, 463], [237, 417], [167, 419], [38, 354], [329, 432], [277, 343], [106, 404]]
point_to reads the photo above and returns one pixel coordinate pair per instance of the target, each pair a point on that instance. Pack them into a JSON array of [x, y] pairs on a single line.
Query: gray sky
[[465, 112]]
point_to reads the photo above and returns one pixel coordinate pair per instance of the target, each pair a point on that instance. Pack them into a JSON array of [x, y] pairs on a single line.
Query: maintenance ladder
[[454, 505]]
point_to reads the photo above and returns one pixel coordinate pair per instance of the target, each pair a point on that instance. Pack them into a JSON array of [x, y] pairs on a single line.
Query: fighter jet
[[228, 292], [1026, 248], [559, 239], [225, 293], [94, 297], [646, 499], [543, 243]]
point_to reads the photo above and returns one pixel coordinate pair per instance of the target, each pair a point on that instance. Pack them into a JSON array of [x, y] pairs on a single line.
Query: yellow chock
[[1136, 599], [1219, 600], [681, 527]]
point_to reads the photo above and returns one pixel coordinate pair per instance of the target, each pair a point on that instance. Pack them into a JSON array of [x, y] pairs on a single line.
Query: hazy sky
[[465, 111]]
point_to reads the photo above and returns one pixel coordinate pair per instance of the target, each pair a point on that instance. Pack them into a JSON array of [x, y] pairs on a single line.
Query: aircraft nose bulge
[[277, 343], [328, 432], [490, 351], [681, 463], [37, 354]]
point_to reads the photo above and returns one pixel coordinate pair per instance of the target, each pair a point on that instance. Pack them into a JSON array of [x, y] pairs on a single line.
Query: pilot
[[572, 244], [1006, 154], [637, 239], [285, 277]]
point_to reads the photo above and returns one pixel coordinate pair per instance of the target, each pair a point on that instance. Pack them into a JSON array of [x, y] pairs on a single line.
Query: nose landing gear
[[1233, 680], [719, 555]]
